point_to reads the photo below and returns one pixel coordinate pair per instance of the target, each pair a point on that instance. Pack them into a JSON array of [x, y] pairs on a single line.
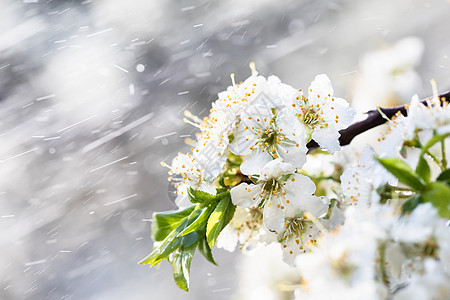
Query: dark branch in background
[[374, 119]]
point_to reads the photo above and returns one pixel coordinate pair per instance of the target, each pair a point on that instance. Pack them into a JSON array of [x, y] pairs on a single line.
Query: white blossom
[[421, 119], [280, 193], [347, 260], [190, 174], [243, 228], [360, 184], [262, 137], [320, 115], [211, 147]]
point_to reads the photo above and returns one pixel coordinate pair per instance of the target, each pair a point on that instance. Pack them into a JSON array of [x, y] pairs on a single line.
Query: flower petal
[[243, 140], [273, 216], [327, 138], [246, 195], [182, 201], [298, 187], [317, 206], [275, 168], [291, 127], [320, 86], [254, 162], [293, 155], [339, 113]]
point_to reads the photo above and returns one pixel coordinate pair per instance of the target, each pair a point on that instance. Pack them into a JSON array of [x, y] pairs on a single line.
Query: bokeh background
[[92, 95]]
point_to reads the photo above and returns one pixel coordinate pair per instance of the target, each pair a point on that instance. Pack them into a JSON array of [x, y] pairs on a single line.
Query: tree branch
[[373, 120]]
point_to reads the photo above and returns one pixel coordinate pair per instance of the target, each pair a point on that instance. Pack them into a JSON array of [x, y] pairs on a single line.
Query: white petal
[[327, 138], [315, 205], [273, 80], [367, 157], [266, 237], [392, 143], [243, 140], [287, 94], [246, 195], [182, 201], [256, 115], [298, 187], [291, 126], [273, 216], [267, 99], [293, 155], [336, 218], [320, 86], [276, 168], [207, 187], [254, 162], [227, 239], [290, 253], [340, 108]]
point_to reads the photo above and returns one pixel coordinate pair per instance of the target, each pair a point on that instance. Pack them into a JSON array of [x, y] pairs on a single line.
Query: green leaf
[[200, 220], [444, 177], [181, 232], [164, 223], [438, 194], [423, 169], [167, 246], [219, 218], [204, 198], [411, 203], [181, 265], [173, 241], [205, 250], [403, 172], [189, 239], [435, 139]]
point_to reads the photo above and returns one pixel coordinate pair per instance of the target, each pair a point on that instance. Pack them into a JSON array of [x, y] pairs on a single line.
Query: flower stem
[[444, 158], [382, 253]]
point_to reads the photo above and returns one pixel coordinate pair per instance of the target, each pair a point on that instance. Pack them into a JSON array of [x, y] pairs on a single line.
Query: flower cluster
[[371, 226], [262, 127]]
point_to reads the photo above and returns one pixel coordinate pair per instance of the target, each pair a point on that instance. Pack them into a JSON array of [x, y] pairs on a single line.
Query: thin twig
[[374, 119]]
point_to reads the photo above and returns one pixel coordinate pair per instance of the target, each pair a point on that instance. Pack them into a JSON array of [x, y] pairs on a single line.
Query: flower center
[[301, 230], [268, 139], [310, 116], [295, 227]]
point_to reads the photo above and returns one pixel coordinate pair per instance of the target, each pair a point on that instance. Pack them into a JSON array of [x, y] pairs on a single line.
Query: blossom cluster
[[373, 227], [394, 240], [263, 126]]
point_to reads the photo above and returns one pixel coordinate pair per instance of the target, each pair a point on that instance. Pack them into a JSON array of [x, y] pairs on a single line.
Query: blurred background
[[92, 95]]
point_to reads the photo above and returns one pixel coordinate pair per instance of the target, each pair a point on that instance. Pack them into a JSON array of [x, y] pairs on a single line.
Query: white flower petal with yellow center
[[246, 195], [187, 172], [433, 116], [280, 193], [262, 136], [244, 228], [321, 114], [360, 184]]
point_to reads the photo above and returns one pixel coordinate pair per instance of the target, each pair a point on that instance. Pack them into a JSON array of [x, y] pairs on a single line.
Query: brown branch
[[373, 120]]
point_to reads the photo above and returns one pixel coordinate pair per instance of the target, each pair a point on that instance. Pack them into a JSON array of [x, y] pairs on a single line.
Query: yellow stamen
[[232, 79], [435, 92], [253, 68]]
